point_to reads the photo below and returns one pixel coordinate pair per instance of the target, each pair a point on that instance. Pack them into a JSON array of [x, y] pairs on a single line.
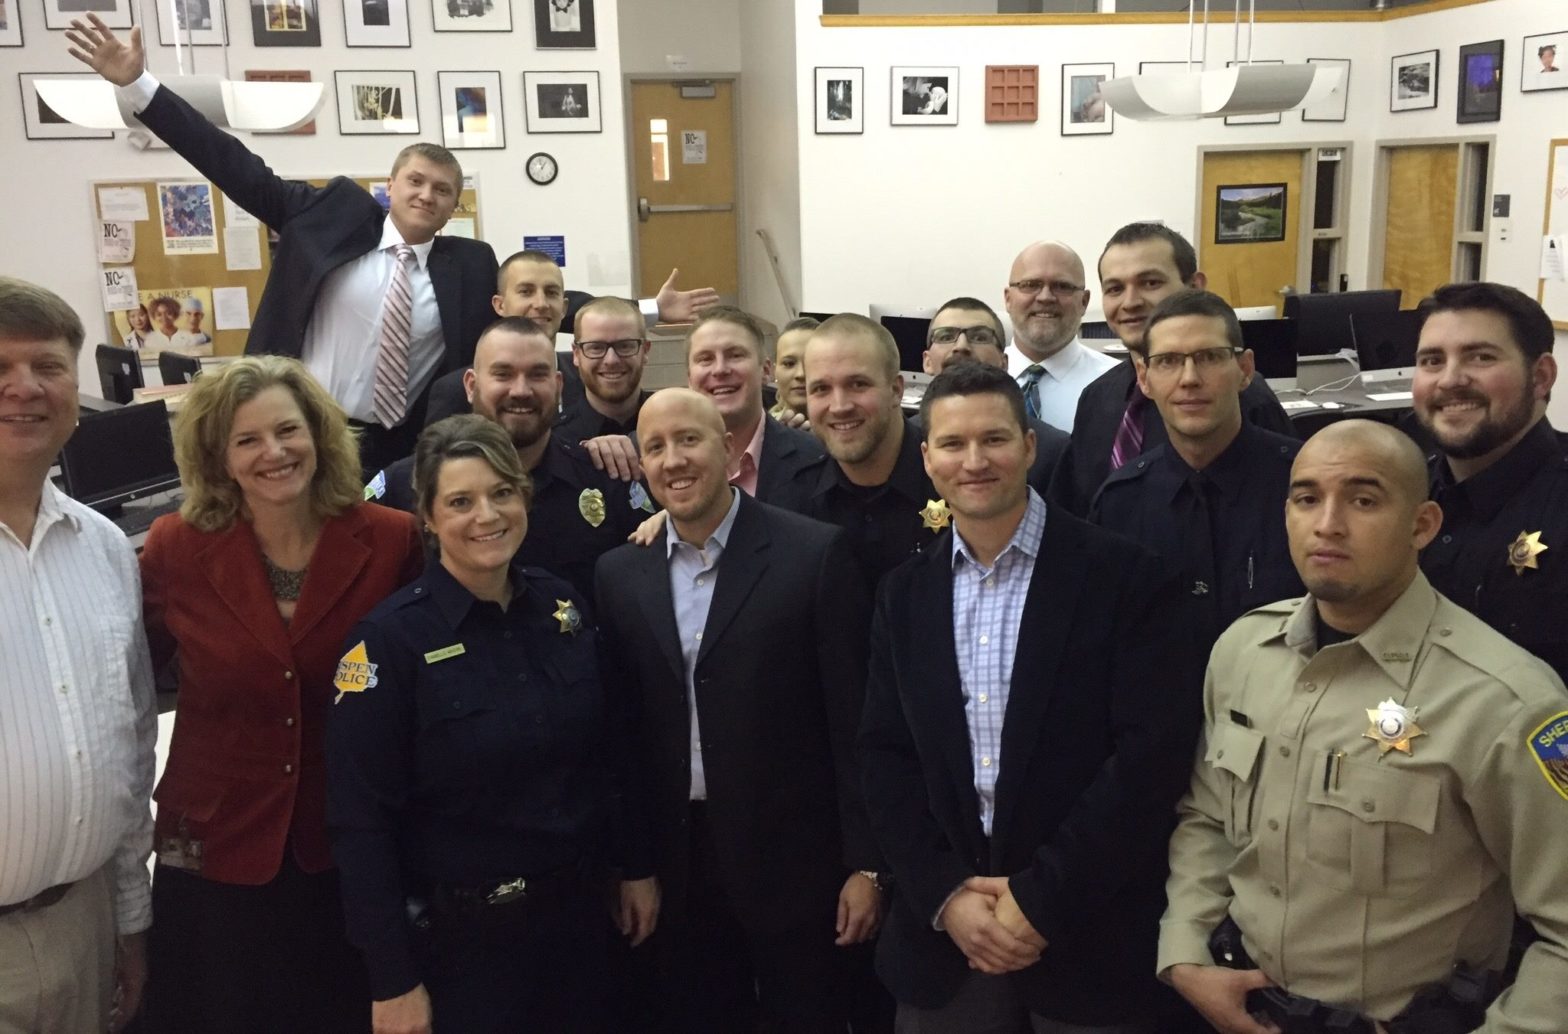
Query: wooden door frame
[[632, 222], [1376, 246], [1306, 202]]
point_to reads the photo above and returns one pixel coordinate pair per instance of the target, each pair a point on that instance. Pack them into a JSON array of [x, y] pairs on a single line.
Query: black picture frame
[[1480, 82], [551, 34], [11, 31], [1276, 210], [1413, 80], [285, 23], [1337, 107]]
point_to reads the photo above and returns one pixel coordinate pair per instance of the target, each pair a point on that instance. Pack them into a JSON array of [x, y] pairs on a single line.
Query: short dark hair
[[526, 255], [969, 304], [968, 377], [1531, 327], [1137, 233], [1192, 302], [37, 313]]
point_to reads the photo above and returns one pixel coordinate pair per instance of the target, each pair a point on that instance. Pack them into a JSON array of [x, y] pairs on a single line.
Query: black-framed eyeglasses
[[1168, 364], [977, 335], [625, 348], [1060, 288]]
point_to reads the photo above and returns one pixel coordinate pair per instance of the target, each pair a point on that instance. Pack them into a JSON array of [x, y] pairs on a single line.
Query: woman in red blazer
[[253, 586]]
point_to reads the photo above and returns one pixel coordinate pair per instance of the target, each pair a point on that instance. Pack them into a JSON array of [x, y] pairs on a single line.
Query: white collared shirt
[[1067, 373], [78, 719]]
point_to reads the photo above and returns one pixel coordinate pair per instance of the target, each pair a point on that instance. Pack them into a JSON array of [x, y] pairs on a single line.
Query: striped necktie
[[390, 401], [1128, 442], [1030, 383]]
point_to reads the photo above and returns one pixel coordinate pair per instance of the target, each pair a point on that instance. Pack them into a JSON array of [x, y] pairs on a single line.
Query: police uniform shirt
[[884, 524], [1222, 529], [579, 421], [467, 745], [1363, 853], [578, 512], [1488, 555]]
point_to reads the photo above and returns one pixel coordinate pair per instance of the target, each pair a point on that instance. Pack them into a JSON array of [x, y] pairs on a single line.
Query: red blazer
[[246, 771]]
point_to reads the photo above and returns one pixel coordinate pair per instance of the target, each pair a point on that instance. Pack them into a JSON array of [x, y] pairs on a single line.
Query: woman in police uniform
[[472, 781]]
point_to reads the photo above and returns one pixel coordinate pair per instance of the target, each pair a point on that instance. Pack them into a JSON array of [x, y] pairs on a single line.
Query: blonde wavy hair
[[201, 439]]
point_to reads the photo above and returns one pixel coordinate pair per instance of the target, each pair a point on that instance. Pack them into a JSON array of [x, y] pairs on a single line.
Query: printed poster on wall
[[185, 210]]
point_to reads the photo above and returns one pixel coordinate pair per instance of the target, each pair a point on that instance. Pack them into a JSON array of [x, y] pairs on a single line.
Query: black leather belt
[[43, 899]]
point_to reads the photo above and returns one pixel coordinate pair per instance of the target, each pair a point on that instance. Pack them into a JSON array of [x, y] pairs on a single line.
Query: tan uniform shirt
[[1358, 880]]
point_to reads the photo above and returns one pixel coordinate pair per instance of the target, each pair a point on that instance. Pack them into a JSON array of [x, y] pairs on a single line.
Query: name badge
[[455, 650]]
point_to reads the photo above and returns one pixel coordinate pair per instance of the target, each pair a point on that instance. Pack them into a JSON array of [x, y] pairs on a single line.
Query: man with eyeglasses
[[609, 349], [1210, 501], [1046, 299]]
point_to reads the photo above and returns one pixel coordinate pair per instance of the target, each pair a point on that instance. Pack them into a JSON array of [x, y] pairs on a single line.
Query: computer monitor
[[1273, 344], [119, 455], [1096, 330], [1386, 343], [119, 373], [1257, 312], [908, 324], [1323, 320]]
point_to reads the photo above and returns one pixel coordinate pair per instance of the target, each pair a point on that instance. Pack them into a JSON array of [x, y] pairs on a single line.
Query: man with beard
[[1045, 299], [609, 351], [1484, 372], [578, 512]]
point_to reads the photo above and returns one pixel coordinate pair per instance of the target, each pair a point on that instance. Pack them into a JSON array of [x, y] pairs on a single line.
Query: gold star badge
[[591, 505], [1393, 727], [1524, 550], [936, 515], [569, 616]]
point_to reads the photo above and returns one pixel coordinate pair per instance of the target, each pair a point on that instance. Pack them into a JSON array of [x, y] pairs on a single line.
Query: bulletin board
[[184, 241], [1553, 294]]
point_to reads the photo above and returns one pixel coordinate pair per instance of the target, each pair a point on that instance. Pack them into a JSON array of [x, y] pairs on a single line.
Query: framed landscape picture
[[1084, 111], [1249, 213], [1481, 82], [377, 103], [1413, 81], [375, 23], [925, 95], [564, 25], [562, 102], [841, 100], [471, 110], [285, 23]]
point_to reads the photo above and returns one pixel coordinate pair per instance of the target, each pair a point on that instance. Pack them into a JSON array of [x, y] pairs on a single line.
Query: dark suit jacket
[[246, 770], [319, 229], [779, 684], [1103, 713], [785, 451], [1087, 461]]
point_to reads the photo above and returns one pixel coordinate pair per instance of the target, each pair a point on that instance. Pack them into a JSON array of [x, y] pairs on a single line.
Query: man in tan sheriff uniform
[[1380, 787]]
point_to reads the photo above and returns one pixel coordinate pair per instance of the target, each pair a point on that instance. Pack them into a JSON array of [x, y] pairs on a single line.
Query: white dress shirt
[[78, 720], [1067, 373]]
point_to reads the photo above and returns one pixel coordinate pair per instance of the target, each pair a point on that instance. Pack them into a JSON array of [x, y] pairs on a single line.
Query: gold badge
[[1524, 550], [355, 673], [1393, 727], [591, 505], [936, 515], [569, 616]]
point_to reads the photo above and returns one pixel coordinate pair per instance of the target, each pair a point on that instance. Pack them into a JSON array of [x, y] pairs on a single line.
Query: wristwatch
[[880, 880]]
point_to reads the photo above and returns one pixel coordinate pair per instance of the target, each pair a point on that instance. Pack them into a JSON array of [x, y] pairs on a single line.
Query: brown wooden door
[[1418, 229], [1245, 271], [684, 149]]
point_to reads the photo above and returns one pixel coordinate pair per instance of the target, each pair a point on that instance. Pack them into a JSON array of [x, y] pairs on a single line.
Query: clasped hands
[[984, 920]]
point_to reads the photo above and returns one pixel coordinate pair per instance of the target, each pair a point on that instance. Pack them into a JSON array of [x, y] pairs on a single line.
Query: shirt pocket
[[1233, 753], [464, 730], [1372, 833]]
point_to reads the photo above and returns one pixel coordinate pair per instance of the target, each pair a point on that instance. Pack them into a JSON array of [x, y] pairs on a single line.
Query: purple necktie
[[1129, 433]]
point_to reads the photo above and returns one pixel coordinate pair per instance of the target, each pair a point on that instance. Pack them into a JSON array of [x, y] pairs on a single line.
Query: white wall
[[770, 155], [697, 36], [47, 231]]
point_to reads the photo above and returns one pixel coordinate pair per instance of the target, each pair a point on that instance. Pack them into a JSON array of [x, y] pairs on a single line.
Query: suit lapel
[[231, 564], [1059, 574], [340, 555], [658, 604], [448, 286], [740, 568]]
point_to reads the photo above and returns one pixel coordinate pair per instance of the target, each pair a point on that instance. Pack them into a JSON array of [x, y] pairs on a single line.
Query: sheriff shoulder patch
[[1549, 744], [355, 673]]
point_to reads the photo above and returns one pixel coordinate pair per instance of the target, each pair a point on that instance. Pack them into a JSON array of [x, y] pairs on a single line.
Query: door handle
[[644, 209]]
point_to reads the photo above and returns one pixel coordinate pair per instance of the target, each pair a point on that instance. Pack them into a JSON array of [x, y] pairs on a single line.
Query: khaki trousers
[[57, 963]]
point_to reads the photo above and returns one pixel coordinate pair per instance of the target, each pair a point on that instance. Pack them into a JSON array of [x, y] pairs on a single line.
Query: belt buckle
[[505, 893]]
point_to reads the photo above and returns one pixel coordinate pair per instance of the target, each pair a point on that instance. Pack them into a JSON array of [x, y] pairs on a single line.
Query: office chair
[[178, 369], [119, 373]]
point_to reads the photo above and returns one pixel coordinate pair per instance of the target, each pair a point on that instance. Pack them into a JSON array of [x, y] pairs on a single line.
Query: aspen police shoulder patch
[[355, 673], [1549, 743]]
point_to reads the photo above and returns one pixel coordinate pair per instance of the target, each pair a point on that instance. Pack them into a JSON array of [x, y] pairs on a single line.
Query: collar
[[1490, 490], [1393, 642], [1026, 537], [721, 534], [1058, 364], [50, 512], [754, 447], [908, 478], [1229, 472], [390, 237], [454, 600], [554, 463]]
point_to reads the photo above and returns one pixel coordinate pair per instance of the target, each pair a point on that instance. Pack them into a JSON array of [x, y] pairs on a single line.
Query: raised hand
[[95, 45]]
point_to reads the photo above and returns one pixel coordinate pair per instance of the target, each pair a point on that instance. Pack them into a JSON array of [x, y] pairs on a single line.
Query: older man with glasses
[[1046, 299]]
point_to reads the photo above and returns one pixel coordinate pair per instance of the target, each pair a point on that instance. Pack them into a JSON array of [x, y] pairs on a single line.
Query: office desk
[[1350, 402]]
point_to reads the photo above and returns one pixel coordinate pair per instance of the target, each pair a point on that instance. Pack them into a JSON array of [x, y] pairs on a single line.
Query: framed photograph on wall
[[376, 103], [471, 110], [375, 23], [285, 23], [192, 22], [40, 120], [10, 24], [1333, 107], [1540, 66], [58, 13], [925, 95], [564, 25], [1249, 213], [1012, 93], [1413, 81], [1271, 118], [562, 102], [1084, 111], [471, 15], [1481, 81], [841, 100]]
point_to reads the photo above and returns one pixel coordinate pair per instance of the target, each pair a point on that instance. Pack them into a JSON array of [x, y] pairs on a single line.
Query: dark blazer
[[319, 229], [1096, 749], [1087, 461], [780, 681], [785, 451], [246, 772]]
